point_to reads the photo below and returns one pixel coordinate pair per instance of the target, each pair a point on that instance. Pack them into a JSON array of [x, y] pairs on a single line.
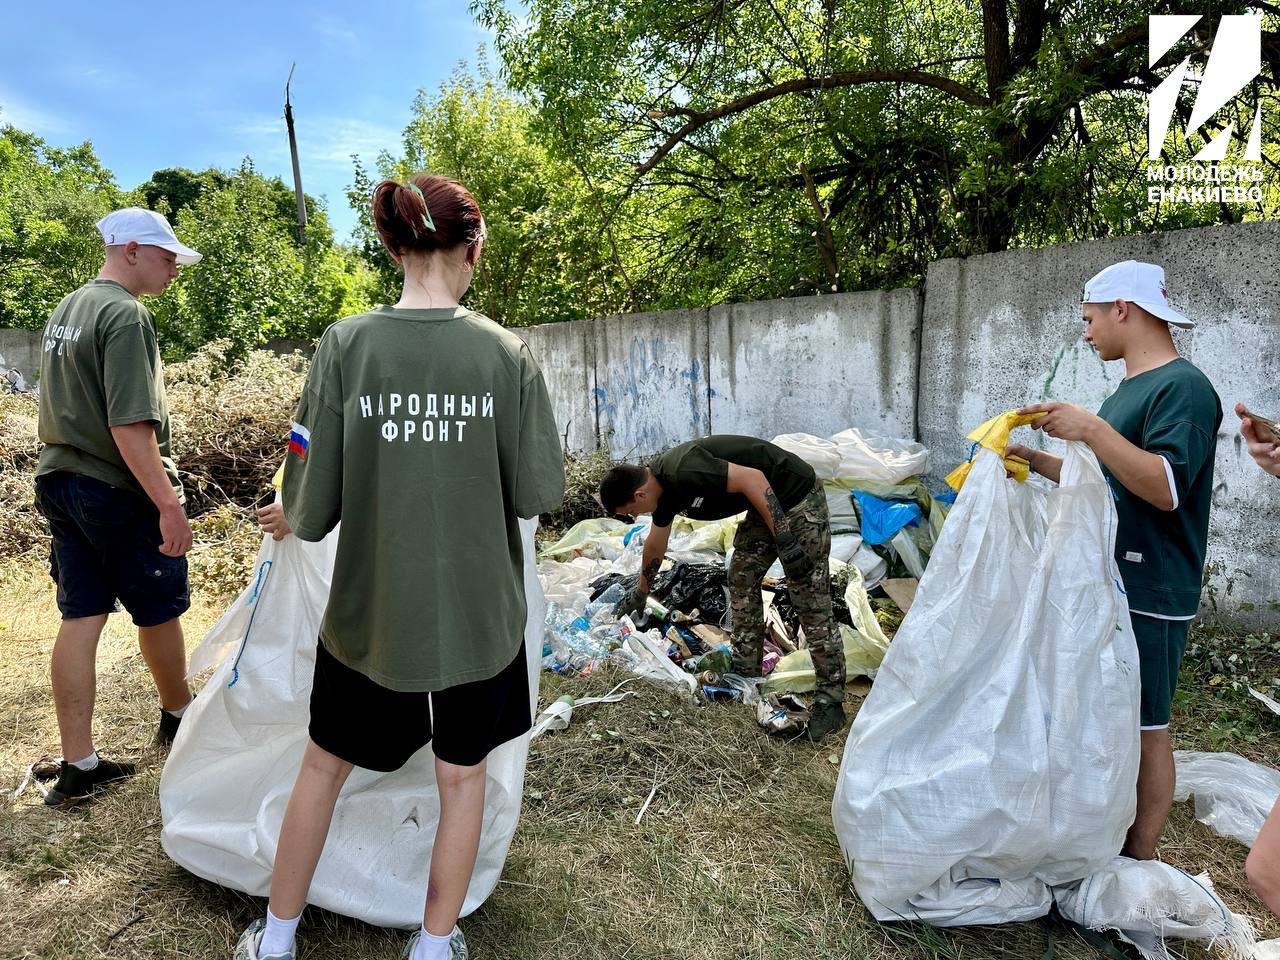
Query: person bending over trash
[[427, 430], [722, 476], [108, 487], [1263, 865], [1155, 439]]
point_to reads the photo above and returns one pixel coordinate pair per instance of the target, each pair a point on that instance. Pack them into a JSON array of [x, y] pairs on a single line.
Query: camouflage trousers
[[753, 553]]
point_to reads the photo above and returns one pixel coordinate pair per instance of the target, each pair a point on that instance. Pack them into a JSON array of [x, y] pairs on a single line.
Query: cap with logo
[[147, 228], [1135, 282]]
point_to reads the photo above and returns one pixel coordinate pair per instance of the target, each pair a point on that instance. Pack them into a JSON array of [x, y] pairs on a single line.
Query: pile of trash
[[884, 523]]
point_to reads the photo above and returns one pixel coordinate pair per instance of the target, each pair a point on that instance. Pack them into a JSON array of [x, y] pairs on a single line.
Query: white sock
[[88, 763], [431, 947], [181, 710], [278, 937]]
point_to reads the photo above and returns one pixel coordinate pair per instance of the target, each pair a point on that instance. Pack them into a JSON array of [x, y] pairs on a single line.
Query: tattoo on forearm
[[775, 510], [651, 570]]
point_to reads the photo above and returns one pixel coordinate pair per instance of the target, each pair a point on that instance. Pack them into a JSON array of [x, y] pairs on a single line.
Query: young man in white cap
[[1155, 438], [109, 489]]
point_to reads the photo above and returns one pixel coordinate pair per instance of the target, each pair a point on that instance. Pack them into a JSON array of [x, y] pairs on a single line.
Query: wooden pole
[[297, 170]]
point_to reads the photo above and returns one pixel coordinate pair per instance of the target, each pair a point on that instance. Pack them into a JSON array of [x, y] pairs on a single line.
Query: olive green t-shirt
[[1172, 411], [427, 433], [100, 368], [695, 477]]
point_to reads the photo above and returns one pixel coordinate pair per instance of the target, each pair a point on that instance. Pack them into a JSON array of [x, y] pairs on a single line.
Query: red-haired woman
[[426, 428]]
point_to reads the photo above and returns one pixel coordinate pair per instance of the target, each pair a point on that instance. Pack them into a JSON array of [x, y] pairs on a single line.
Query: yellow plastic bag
[[598, 538], [994, 435]]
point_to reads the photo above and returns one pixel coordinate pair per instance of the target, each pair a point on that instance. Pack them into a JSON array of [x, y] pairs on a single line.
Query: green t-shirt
[[100, 369], [1173, 411], [695, 477], [427, 433]]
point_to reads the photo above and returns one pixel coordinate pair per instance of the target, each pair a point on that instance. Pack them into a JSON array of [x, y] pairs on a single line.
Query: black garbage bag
[[683, 586], [787, 611]]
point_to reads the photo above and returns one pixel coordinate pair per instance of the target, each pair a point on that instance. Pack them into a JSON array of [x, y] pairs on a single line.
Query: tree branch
[[826, 242], [699, 119], [995, 45]]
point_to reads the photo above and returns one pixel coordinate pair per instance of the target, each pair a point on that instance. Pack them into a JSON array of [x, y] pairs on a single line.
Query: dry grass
[[735, 857]]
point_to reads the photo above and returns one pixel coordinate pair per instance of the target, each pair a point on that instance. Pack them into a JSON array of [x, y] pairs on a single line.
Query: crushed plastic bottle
[[600, 610]]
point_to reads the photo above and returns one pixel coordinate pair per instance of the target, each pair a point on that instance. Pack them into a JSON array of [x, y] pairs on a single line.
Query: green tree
[[544, 256], [254, 282], [791, 148], [50, 200]]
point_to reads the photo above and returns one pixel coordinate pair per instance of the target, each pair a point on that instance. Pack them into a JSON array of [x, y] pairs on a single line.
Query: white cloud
[[323, 141], [27, 116], [335, 30]]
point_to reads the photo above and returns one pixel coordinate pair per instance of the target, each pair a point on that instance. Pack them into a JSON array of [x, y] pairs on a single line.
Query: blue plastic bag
[[881, 519]]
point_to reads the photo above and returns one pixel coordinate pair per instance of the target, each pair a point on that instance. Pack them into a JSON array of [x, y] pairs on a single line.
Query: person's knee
[[1156, 743], [325, 768], [452, 777], [1263, 870]]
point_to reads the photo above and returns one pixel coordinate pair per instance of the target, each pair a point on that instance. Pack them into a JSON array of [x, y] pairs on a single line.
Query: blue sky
[[173, 86]]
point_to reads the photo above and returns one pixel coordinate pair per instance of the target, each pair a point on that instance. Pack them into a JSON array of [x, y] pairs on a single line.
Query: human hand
[[271, 519], [1064, 421], [1024, 453], [795, 562], [1266, 455], [632, 605], [175, 531]]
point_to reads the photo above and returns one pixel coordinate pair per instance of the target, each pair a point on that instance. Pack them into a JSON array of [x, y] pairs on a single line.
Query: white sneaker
[[457, 945], [247, 946]]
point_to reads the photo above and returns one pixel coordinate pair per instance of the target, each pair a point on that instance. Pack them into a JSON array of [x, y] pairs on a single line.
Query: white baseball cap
[[1136, 282], [145, 227]]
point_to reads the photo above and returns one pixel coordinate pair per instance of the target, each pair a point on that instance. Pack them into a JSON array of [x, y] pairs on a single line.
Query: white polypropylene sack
[[854, 455], [822, 455], [886, 459], [232, 766], [1233, 795], [1146, 901], [997, 752]]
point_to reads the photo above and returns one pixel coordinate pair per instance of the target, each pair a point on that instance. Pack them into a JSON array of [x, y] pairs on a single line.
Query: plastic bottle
[[601, 608]]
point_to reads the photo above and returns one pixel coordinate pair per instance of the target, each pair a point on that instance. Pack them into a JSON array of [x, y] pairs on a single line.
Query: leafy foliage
[[785, 148], [50, 199], [543, 259]]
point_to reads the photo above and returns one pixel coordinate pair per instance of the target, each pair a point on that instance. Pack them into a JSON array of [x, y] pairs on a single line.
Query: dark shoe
[[75, 785], [167, 730], [826, 717]]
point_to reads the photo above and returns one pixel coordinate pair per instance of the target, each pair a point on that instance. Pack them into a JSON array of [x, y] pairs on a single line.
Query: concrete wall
[[1003, 330], [816, 364], [651, 386], [21, 349], [567, 354]]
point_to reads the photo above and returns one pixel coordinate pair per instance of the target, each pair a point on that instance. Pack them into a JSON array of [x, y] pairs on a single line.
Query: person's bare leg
[[1263, 865], [305, 828], [1156, 778], [165, 654], [453, 856], [73, 672]]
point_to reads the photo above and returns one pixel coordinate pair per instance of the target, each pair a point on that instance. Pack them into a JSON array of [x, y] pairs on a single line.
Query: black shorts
[[106, 548], [368, 725]]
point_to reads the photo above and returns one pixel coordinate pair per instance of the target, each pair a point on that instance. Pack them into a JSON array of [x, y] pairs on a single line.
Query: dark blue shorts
[[106, 548]]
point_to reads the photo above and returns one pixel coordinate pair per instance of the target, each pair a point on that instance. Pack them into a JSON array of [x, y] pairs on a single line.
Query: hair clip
[[426, 217]]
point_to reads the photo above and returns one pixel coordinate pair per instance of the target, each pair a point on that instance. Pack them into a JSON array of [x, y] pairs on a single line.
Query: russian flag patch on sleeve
[[299, 440]]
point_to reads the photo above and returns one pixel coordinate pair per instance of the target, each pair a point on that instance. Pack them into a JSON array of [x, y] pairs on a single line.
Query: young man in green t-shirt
[[108, 487], [1155, 439], [786, 518]]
